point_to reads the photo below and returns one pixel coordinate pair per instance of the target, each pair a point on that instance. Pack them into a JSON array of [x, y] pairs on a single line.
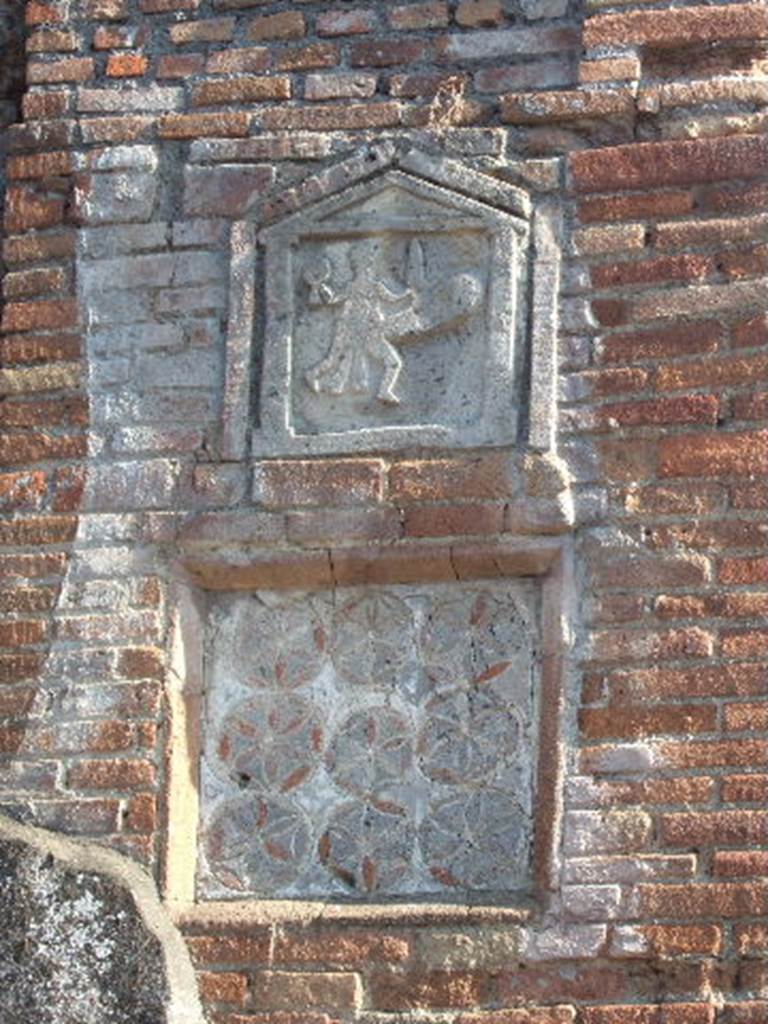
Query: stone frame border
[[549, 559], [240, 439]]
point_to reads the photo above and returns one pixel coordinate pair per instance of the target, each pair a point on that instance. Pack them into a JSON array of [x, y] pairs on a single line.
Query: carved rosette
[[378, 744]]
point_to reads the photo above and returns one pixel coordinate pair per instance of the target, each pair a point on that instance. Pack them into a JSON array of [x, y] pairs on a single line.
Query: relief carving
[[371, 315], [394, 314], [380, 745]]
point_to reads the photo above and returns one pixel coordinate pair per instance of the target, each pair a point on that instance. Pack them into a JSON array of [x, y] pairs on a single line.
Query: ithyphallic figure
[[370, 316]]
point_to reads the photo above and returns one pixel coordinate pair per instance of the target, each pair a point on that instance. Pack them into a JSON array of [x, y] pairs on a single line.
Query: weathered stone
[[344, 738], [84, 940]]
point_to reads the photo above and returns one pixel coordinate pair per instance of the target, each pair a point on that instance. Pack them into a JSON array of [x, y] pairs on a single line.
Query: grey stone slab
[[370, 742], [392, 312]]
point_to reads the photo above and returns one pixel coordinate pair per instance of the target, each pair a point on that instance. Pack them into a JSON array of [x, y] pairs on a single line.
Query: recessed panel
[[370, 743]]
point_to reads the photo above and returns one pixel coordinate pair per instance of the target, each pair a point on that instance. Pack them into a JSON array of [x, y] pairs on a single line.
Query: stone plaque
[[368, 743], [386, 315]]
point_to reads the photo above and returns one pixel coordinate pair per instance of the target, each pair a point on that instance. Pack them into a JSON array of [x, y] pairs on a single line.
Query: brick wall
[[147, 127]]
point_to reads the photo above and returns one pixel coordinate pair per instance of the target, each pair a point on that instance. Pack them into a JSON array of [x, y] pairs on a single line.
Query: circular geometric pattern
[[371, 752], [271, 743], [257, 843], [473, 638], [476, 840], [366, 849], [469, 735], [372, 642], [279, 647]]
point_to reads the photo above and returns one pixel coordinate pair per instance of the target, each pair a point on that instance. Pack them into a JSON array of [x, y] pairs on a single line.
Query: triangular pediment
[[420, 191]]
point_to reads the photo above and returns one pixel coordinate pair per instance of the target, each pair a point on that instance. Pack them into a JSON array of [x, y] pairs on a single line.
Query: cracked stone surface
[[370, 742]]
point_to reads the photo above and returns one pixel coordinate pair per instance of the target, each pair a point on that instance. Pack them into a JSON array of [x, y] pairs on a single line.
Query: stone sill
[[247, 913]]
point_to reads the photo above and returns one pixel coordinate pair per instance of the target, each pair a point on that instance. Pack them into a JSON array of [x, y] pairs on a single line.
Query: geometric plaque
[[371, 742]]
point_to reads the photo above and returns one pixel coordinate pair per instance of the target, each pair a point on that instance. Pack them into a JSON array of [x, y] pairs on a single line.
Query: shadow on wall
[[12, 68]]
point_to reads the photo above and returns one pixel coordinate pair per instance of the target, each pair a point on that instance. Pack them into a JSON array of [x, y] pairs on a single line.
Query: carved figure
[[371, 316]]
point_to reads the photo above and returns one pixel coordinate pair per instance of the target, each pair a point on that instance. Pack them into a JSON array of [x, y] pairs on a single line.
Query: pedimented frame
[[524, 284]]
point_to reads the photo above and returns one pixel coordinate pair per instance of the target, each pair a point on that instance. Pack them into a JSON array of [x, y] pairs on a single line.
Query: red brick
[[42, 105], [571, 105], [445, 520], [428, 990], [689, 606], [16, 668], [252, 89], [67, 69], [750, 1012], [38, 530], [751, 938], [743, 570], [21, 633], [421, 86], [681, 1013], [681, 940], [191, 126], [709, 454], [321, 527], [20, 599], [688, 267], [40, 165], [140, 663], [476, 476], [632, 723], [741, 863], [674, 28], [223, 987], [209, 30], [18, 449], [25, 210], [722, 372], [345, 23], [726, 899], [529, 1015], [410, 17], [656, 164], [348, 948], [480, 13], [735, 680], [659, 412], [229, 949], [285, 25], [720, 828], [52, 314], [711, 754], [747, 643], [318, 482], [30, 283], [744, 789], [635, 207], [254, 58], [126, 65], [25, 490], [180, 65], [32, 565], [285, 990], [31, 248], [140, 813], [382, 53], [122, 775], [680, 340]]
